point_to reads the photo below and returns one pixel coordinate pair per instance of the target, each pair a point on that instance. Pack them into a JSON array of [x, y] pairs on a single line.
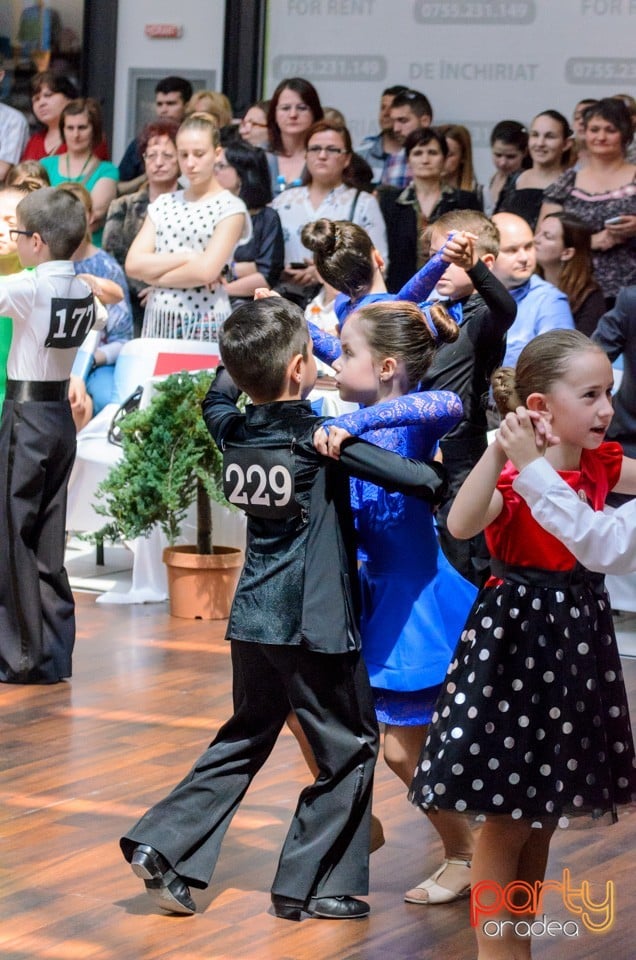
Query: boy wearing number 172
[[293, 633], [52, 311]]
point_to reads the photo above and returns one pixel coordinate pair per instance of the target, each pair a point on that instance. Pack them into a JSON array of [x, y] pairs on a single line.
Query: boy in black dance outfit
[[295, 643], [465, 366], [52, 311]]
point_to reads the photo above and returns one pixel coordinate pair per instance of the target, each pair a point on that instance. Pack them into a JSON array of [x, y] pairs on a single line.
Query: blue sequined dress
[[414, 603]]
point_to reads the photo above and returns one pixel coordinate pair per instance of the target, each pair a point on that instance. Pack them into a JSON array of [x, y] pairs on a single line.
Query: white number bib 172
[[260, 481]]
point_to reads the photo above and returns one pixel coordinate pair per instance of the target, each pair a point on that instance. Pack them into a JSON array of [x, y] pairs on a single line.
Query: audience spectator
[[242, 169], [294, 107], [212, 102], [327, 192], [376, 149], [253, 126], [409, 111], [564, 258], [89, 396], [630, 103], [29, 174], [333, 115], [50, 92], [578, 126], [81, 129], [549, 146], [14, 133], [186, 240], [458, 169], [157, 143], [540, 305], [360, 174], [408, 212], [616, 334], [509, 145], [171, 97], [603, 195]]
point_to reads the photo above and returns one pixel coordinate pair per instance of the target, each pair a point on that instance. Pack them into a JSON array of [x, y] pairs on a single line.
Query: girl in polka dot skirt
[[532, 725], [186, 240]]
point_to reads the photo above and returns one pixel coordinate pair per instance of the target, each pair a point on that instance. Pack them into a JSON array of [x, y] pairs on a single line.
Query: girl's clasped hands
[[524, 436]]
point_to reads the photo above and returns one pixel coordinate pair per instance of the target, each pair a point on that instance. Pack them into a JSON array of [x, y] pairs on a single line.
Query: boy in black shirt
[[466, 365], [295, 642]]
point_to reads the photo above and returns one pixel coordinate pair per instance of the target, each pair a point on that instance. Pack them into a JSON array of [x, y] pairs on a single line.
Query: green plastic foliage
[[167, 452]]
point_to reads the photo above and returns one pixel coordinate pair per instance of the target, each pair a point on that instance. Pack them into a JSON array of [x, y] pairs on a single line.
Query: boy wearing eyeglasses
[[52, 311]]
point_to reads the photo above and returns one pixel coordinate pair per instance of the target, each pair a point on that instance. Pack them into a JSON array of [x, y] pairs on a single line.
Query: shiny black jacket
[[299, 584]]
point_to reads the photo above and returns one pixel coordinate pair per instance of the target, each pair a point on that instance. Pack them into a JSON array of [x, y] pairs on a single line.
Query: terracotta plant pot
[[201, 586]]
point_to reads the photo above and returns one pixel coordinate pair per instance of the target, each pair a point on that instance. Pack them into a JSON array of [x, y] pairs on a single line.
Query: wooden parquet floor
[[82, 760]]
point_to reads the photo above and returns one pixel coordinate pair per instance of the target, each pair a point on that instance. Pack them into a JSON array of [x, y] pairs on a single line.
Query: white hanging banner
[[478, 61]]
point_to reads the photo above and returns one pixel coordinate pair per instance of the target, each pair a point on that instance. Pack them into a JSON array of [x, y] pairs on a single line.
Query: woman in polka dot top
[[186, 240], [531, 730]]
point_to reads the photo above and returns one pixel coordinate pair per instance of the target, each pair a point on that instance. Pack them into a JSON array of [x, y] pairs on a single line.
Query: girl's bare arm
[[478, 502]]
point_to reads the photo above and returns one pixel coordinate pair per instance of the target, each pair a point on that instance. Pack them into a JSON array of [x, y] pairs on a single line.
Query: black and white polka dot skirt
[[532, 720]]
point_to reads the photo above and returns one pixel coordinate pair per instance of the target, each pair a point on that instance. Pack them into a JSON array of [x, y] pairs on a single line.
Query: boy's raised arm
[[503, 308], [219, 406]]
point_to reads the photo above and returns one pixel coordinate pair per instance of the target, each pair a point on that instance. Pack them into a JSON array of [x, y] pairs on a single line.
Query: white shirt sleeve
[[17, 295], [604, 542], [101, 319]]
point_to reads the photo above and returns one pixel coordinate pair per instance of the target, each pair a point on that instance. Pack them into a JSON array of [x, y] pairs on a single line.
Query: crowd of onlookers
[[417, 280], [185, 252]]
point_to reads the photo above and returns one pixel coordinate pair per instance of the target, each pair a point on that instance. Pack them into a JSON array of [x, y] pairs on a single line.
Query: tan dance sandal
[[430, 891], [377, 834]]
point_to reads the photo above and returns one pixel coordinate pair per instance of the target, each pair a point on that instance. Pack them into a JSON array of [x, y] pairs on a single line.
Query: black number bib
[[70, 322], [260, 481]]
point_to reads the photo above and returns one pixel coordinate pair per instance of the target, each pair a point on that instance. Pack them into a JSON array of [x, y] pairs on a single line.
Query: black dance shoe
[[323, 908], [163, 885]]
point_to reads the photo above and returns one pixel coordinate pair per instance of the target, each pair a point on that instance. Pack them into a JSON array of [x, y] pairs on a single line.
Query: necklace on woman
[[81, 173], [51, 151]]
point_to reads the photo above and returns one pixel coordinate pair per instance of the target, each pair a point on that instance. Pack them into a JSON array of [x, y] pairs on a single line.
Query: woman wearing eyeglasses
[[253, 126], [294, 107], [329, 192], [126, 214]]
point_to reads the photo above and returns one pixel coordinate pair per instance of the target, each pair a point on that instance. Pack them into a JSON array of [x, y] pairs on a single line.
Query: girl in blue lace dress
[[413, 601]]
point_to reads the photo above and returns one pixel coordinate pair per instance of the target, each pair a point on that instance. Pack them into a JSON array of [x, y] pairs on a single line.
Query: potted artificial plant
[[169, 461]]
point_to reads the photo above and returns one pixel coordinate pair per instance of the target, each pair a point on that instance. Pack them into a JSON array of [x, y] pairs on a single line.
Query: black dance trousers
[[37, 612], [326, 851]]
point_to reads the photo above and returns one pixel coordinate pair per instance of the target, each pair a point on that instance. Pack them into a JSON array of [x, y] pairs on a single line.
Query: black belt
[[24, 391], [558, 579]]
